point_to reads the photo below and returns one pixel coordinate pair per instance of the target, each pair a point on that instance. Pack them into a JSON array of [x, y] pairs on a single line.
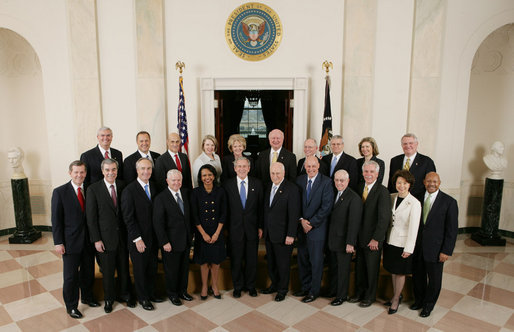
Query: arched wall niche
[[24, 124]]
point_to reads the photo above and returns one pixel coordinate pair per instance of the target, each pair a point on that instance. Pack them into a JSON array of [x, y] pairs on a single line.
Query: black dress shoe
[[108, 306], [309, 298], [147, 305], [280, 297], [388, 303], [175, 301], [237, 293], [425, 312], [301, 293], [157, 299], [186, 297], [75, 313], [354, 299], [131, 303], [268, 290], [91, 303], [337, 301], [416, 306], [365, 303], [252, 292]]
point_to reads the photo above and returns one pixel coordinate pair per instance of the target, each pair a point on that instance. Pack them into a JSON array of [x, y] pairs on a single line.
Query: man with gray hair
[[94, 157], [416, 163], [310, 148], [339, 160], [376, 215]]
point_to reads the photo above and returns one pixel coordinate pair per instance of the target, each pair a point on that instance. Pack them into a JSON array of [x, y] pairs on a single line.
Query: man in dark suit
[[71, 240], [173, 159], [281, 214], [376, 215], [339, 160], [276, 153], [94, 157], [107, 231], [342, 236], [437, 234], [245, 196], [137, 208], [317, 198], [417, 164], [310, 147], [143, 151], [172, 223]]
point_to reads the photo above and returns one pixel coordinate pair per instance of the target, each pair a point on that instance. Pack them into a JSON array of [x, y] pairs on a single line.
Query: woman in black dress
[[208, 206], [406, 214], [368, 149]]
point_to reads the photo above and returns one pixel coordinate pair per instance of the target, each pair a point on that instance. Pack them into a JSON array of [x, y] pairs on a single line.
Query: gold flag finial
[[327, 65], [180, 66]]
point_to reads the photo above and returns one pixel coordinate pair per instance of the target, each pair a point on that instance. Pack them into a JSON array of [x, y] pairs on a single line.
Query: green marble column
[[488, 234], [25, 232]]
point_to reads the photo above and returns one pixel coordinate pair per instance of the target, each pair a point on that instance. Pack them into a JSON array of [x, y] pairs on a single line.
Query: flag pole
[[326, 129]]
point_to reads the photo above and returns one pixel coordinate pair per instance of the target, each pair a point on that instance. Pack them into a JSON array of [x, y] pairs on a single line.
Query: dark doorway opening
[[253, 114]]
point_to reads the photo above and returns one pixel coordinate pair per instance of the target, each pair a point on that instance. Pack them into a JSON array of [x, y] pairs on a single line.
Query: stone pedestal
[[25, 232], [488, 234]]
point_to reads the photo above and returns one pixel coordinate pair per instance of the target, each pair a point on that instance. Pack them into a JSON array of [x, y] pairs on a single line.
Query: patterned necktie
[[333, 165], [242, 194], [147, 192], [81, 198], [113, 195], [338, 196], [309, 188], [275, 157], [273, 191], [426, 208], [177, 161], [365, 194], [180, 203], [407, 164], [106, 155]]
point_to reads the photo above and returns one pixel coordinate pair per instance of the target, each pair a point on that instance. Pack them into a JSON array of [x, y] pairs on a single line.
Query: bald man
[[276, 153], [310, 148], [173, 159]]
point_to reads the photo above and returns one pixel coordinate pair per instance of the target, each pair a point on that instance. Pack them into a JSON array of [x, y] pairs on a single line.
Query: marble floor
[[477, 295]]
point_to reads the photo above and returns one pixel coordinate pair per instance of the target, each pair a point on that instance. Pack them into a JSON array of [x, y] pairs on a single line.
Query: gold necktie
[[365, 194], [407, 164], [275, 157]]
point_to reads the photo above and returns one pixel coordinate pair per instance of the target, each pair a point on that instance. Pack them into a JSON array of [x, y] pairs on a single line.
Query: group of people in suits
[[335, 208]]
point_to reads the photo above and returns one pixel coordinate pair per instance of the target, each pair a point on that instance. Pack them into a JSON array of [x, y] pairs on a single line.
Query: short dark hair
[[142, 132], [77, 163], [403, 173], [211, 169]]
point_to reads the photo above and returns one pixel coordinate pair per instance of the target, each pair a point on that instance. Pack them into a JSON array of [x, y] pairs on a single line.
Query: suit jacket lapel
[[107, 195], [71, 191], [435, 205], [278, 192], [314, 188]]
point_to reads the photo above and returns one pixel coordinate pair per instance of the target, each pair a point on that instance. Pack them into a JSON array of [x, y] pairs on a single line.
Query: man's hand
[[443, 257], [350, 249], [289, 240], [167, 247], [260, 233], [140, 245], [373, 245], [99, 245], [60, 249], [306, 226]]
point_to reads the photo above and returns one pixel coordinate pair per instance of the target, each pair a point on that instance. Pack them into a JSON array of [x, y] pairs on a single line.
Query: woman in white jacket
[[406, 214]]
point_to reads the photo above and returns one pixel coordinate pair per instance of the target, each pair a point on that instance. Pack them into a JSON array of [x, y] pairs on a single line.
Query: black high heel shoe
[[393, 311], [388, 303]]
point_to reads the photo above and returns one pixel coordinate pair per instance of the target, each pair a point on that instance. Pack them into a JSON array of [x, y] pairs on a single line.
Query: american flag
[[326, 130], [182, 119]]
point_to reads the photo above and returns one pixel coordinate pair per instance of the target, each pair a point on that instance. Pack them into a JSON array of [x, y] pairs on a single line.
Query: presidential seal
[[253, 31]]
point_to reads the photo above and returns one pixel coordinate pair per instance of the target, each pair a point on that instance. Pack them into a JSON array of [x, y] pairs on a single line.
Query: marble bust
[[495, 161], [15, 157]]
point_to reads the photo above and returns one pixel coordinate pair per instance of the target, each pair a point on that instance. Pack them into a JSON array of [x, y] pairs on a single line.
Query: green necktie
[[426, 208]]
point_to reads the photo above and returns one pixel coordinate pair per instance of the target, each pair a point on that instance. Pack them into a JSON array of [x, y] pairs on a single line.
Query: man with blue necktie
[[338, 159]]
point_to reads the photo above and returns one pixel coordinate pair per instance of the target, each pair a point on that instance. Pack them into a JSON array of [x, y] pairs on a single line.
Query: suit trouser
[[340, 273], [245, 253], [310, 265], [427, 280], [111, 261], [279, 265], [176, 271], [144, 266], [78, 272], [366, 273]]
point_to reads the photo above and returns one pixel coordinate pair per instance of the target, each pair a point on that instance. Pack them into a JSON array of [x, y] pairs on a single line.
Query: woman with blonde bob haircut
[[236, 145], [368, 149]]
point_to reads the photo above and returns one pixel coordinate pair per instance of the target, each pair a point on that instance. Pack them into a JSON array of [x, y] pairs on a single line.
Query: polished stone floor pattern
[[477, 295]]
